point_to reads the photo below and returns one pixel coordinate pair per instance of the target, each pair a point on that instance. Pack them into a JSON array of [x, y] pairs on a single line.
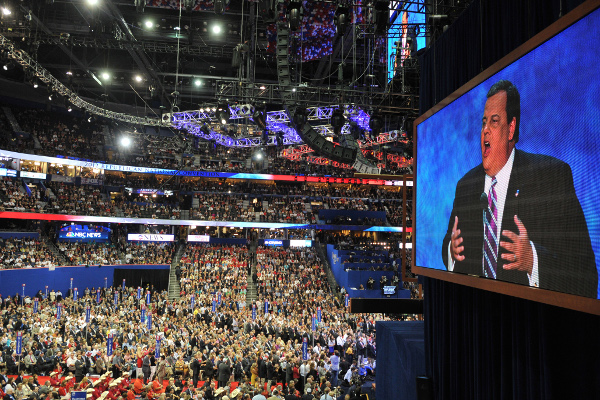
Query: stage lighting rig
[[259, 118], [300, 117], [338, 120], [295, 13], [342, 19], [222, 113]]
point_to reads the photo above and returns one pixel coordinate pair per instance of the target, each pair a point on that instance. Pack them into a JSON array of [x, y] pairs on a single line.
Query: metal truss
[[327, 161], [30, 65]]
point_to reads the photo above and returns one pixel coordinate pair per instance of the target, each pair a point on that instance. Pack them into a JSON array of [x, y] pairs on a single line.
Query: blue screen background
[[559, 84]]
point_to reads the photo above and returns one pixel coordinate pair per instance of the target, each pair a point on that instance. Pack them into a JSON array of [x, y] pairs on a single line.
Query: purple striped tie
[[490, 245]]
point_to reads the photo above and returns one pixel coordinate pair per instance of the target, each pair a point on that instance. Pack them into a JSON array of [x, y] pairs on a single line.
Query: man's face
[[496, 134]]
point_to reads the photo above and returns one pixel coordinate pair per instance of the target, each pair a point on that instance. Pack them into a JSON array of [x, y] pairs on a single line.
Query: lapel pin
[[517, 194]]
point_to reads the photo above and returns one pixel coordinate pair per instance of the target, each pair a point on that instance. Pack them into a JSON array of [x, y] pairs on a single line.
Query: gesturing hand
[[519, 253], [456, 242]]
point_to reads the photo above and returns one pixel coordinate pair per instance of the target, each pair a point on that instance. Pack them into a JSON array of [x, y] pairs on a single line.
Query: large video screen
[[507, 184]]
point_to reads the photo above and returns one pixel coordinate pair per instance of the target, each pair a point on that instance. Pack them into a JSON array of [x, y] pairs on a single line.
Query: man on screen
[[516, 216]]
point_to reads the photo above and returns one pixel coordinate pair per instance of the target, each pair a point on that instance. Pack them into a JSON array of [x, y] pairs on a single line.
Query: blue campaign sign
[[46, 296], [23, 296], [98, 296], [266, 306], [149, 320], [214, 305], [219, 298], [253, 312], [193, 301], [116, 298], [157, 351], [143, 315], [304, 348], [109, 345], [87, 315], [347, 300], [75, 294], [78, 395], [314, 323], [71, 286], [148, 297], [58, 311], [35, 306], [123, 285], [319, 314], [19, 343], [139, 293]]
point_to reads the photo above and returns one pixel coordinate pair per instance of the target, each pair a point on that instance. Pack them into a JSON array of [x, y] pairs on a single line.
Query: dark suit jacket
[[547, 205]]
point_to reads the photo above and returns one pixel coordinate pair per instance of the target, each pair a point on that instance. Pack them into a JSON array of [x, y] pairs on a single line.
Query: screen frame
[[564, 300]]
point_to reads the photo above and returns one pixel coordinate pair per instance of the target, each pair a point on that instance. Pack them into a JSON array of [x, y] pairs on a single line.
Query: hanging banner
[[304, 348], [253, 312], [319, 314], [87, 315], [109, 345], [19, 350]]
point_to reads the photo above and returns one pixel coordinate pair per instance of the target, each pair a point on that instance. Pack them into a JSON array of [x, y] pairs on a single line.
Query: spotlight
[[216, 29], [69, 73], [35, 84], [295, 14], [223, 113], [50, 97], [300, 117], [92, 2], [342, 18], [149, 24], [8, 66], [197, 82], [259, 118], [138, 78], [69, 109], [125, 141], [105, 76], [6, 11], [376, 124], [90, 119], [337, 120]]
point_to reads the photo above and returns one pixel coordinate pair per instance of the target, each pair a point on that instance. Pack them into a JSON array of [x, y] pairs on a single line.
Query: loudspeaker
[[424, 388]]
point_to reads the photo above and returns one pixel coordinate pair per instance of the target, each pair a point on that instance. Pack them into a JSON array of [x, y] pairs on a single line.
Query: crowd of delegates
[[221, 207], [204, 352], [62, 134], [148, 209], [147, 253], [13, 197], [78, 200], [78, 253], [25, 253]]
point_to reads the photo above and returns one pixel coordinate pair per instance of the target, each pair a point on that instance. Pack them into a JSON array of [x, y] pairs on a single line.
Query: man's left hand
[[518, 252]]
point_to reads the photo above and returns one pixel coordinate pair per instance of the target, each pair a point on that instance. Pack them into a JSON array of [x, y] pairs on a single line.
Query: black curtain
[[142, 277], [483, 345], [483, 34]]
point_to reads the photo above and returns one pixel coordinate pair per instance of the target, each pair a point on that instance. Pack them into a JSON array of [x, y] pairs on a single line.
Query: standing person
[[335, 367], [117, 364], [224, 372], [516, 216], [195, 367], [79, 369], [146, 369]]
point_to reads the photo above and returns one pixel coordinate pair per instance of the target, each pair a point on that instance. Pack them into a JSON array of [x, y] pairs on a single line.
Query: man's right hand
[[456, 247]]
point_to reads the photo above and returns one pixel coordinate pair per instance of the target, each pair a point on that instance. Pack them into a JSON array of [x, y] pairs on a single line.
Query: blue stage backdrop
[[37, 278], [559, 86]]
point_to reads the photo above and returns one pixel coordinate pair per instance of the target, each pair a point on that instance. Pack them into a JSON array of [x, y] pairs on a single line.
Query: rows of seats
[[25, 253]]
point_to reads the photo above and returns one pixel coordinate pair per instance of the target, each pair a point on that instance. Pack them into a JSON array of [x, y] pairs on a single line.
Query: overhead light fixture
[[105, 76], [223, 113], [8, 66], [69, 73], [50, 97], [149, 24], [216, 29], [342, 19], [338, 120], [138, 78], [69, 109], [92, 2], [295, 14], [35, 84], [197, 82], [6, 11], [259, 118], [125, 141]]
